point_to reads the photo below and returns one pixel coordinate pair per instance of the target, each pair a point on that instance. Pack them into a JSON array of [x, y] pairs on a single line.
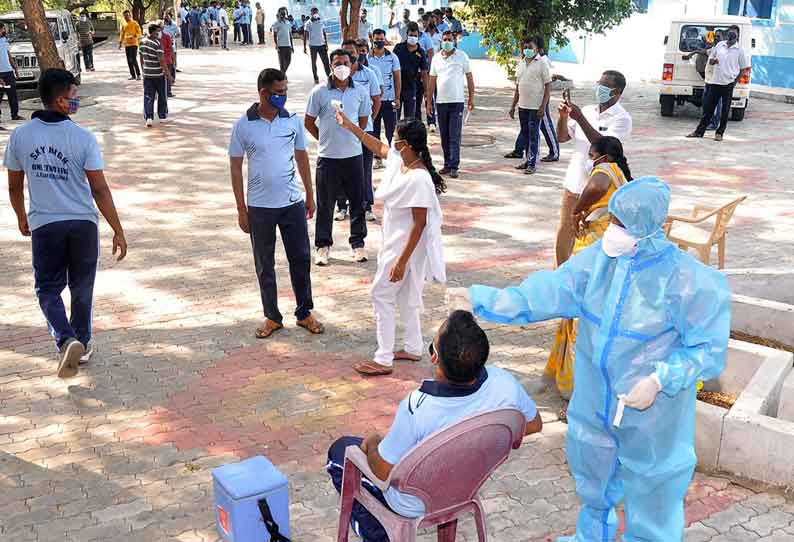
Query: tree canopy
[[504, 23]]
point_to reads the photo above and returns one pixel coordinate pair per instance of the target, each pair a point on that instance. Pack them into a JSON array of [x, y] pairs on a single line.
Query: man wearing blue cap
[[651, 319]]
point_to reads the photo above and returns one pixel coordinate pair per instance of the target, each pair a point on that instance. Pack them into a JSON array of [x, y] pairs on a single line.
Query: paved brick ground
[[179, 385]]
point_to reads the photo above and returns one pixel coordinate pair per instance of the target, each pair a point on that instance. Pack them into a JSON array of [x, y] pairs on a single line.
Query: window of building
[[757, 9], [641, 5]]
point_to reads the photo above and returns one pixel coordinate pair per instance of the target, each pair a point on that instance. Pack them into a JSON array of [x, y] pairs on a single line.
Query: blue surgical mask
[[278, 101], [602, 93], [447, 46], [74, 105]]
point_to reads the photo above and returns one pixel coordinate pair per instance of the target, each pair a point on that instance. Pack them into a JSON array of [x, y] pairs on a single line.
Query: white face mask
[[342, 72], [412, 40], [590, 164], [618, 242]]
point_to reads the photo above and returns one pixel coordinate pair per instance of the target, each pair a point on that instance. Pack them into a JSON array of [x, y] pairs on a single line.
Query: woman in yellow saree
[[609, 172]]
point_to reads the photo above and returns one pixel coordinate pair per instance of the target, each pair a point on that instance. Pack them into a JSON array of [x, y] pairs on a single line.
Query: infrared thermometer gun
[[339, 107]]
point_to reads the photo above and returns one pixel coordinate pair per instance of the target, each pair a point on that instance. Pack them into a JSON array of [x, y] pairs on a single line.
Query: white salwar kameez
[[401, 192]]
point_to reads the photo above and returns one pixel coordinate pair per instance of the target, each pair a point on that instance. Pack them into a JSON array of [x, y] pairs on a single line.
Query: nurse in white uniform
[[411, 251]]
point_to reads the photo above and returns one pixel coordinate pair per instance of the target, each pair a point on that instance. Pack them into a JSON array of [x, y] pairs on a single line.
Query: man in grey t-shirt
[[314, 32], [63, 164], [282, 39]]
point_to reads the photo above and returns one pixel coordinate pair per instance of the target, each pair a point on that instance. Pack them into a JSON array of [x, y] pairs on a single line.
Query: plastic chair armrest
[[692, 220], [356, 455]]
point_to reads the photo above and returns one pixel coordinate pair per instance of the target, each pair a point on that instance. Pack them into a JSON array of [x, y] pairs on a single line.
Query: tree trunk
[[138, 10], [40, 35], [349, 18]]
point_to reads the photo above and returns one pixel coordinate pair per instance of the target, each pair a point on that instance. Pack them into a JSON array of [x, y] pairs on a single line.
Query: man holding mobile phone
[[585, 126]]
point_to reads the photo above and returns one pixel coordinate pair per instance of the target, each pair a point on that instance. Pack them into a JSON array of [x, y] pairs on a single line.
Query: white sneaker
[[360, 254], [340, 215], [164, 121], [89, 351], [378, 164], [321, 256], [149, 123], [370, 216], [71, 352]]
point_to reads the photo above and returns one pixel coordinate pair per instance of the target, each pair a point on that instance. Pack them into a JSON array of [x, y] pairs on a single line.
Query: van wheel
[[737, 114], [668, 105]]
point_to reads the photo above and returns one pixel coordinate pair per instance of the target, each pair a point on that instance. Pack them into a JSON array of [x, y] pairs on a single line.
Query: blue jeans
[[155, 86], [715, 120], [363, 522], [66, 253], [450, 126], [549, 132], [530, 125]]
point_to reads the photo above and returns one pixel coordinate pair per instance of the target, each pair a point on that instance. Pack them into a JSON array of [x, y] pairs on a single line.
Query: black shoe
[[316, 81], [550, 158], [694, 134], [522, 165], [138, 78], [514, 154], [453, 173], [132, 78], [17, 117], [444, 171], [530, 170], [171, 96]]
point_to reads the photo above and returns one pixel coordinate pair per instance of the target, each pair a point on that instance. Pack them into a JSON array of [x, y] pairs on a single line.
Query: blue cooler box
[[251, 501]]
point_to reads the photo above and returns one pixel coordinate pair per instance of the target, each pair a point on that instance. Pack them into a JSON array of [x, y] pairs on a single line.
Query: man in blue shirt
[[237, 20], [454, 25], [282, 39], [63, 164], [273, 141], [463, 386], [340, 166], [369, 80], [195, 27], [389, 65], [248, 38]]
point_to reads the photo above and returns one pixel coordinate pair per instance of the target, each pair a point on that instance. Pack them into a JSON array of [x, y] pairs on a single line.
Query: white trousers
[[405, 295]]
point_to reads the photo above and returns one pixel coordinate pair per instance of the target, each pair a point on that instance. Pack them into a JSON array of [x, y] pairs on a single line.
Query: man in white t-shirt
[[729, 61], [448, 71], [585, 127], [533, 87], [463, 386]]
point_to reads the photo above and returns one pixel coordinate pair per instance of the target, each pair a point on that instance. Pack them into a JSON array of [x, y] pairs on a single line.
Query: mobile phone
[[566, 96]]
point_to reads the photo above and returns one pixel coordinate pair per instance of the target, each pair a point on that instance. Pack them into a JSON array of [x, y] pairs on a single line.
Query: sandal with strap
[[266, 330], [312, 325], [402, 355], [372, 368]]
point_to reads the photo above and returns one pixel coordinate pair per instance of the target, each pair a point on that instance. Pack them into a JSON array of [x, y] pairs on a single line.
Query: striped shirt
[[84, 30], [151, 51]]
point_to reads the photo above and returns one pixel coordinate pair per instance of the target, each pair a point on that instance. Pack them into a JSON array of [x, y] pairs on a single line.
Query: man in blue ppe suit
[[651, 319]]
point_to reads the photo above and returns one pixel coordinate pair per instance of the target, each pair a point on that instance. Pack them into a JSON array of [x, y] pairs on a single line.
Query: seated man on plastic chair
[[462, 386]]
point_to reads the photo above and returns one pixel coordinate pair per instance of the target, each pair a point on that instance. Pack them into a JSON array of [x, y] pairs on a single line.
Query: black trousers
[[132, 60], [335, 176], [407, 108], [388, 116], [260, 31], [321, 50], [291, 223], [369, 194], [246, 28], [185, 27], [11, 89], [236, 32], [88, 55], [284, 58], [713, 94]]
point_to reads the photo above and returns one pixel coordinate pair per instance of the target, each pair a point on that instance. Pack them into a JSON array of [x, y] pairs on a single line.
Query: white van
[[683, 78], [21, 48]]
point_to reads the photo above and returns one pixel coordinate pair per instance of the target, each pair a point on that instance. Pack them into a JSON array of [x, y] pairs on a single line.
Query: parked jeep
[[21, 48]]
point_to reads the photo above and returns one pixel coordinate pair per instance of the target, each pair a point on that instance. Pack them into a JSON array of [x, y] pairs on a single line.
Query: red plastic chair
[[446, 470]]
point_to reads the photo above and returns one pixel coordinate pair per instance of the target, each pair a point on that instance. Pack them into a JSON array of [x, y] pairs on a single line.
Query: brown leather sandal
[[402, 355], [372, 368], [312, 325], [267, 329]]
